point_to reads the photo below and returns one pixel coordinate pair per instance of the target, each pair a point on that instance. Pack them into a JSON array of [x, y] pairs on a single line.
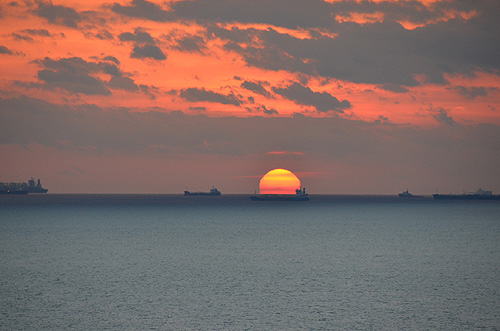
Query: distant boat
[[407, 194], [478, 195], [300, 195], [213, 193]]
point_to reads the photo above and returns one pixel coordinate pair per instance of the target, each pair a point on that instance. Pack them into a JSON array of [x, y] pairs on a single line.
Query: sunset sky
[[354, 97]]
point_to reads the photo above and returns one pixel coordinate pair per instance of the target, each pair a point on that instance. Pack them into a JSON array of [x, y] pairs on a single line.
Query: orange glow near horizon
[[279, 181]]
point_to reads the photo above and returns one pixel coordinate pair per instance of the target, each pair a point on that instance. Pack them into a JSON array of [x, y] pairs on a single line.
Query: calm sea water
[[163, 262]]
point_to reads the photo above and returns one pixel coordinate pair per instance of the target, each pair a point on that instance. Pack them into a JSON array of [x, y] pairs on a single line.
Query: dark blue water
[[160, 262]]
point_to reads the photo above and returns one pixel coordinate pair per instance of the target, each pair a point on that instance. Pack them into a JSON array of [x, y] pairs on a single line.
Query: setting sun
[[279, 181]]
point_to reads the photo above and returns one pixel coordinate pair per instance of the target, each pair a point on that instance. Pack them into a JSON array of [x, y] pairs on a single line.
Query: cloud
[[191, 44], [474, 92], [112, 59], [378, 53], [441, 115], [143, 9], [394, 88], [322, 101], [75, 75], [101, 35], [145, 45], [29, 34], [415, 12], [5, 50], [60, 15], [256, 88], [196, 95], [454, 37], [198, 108], [123, 83], [313, 14], [262, 109], [148, 51], [139, 36], [290, 13]]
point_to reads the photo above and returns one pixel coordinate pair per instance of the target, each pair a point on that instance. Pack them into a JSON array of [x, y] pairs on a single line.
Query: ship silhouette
[[212, 193], [22, 188]]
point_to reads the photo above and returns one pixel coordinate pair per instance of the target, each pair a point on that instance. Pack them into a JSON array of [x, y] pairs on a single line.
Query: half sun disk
[[279, 181]]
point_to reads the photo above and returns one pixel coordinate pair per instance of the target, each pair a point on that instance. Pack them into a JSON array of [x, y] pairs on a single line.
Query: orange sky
[[215, 69], [427, 64]]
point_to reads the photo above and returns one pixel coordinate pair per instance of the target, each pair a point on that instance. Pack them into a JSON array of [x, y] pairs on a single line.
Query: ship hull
[[411, 196], [201, 194], [42, 190], [279, 197], [17, 192]]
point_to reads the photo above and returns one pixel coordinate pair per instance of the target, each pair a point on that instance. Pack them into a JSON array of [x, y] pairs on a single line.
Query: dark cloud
[[143, 9], [198, 108], [408, 11], [256, 88], [196, 95], [60, 15], [74, 82], [76, 75], [148, 51], [145, 45], [139, 36], [262, 109], [5, 50], [37, 32], [379, 53], [122, 83], [474, 92], [289, 13], [441, 115], [191, 44], [296, 13], [28, 34], [383, 53], [185, 42], [101, 34], [322, 101], [266, 49], [18, 36], [382, 120], [394, 88], [111, 58]]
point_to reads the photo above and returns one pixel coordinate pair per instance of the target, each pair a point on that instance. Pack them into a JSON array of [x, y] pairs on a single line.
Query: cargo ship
[[213, 193], [22, 188], [300, 195], [478, 195]]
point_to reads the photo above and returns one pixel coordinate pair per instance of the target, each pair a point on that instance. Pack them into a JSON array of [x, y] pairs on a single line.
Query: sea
[[169, 262]]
